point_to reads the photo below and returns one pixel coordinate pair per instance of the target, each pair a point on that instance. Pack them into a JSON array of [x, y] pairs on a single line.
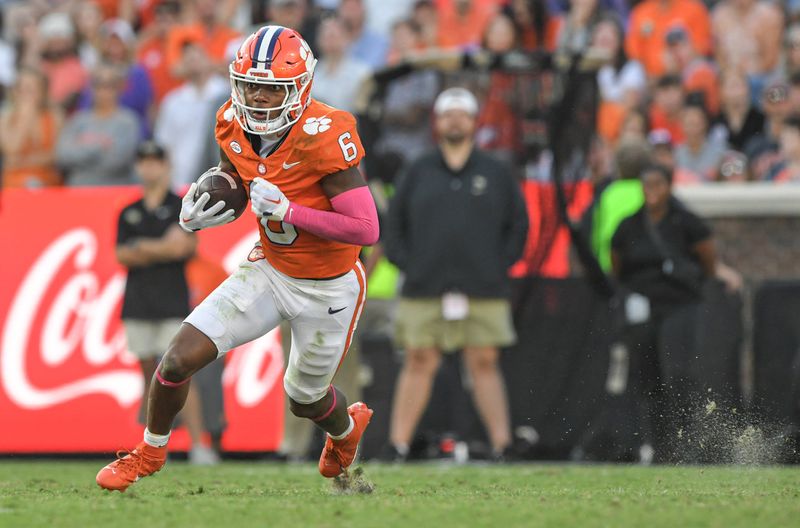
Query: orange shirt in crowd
[[455, 31], [701, 76], [109, 8], [36, 175], [215, 41], [147, 12], [152, 55], [659, 119], [610, 117], [648, 26]]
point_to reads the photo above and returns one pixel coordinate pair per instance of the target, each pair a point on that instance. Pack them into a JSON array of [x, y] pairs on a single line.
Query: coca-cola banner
[[67, 383]]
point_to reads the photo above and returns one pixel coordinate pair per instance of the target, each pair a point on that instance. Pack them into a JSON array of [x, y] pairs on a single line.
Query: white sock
[[155, 440], [346, 431], [402, 449]]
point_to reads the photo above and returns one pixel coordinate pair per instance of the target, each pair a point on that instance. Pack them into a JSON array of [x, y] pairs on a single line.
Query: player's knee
[[175, 366], [178, 363]]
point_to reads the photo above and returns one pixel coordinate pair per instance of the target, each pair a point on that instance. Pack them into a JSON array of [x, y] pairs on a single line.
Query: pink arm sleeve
[[354, 219]]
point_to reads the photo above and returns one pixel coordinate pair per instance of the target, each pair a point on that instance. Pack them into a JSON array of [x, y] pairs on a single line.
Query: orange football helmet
[[273, 55]]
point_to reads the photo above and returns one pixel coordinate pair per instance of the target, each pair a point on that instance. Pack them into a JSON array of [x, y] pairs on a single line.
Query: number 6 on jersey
[[349, 148]]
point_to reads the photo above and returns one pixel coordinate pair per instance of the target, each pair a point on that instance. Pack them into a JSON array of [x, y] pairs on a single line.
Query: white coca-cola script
[[81, 322]]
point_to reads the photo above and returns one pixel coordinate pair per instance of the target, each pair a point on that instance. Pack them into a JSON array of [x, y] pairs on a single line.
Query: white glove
[[193, 218], [267, 200]]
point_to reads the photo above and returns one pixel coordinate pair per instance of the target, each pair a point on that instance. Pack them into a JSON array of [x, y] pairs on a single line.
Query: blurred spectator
[[536, 28], [184, 110], [29, 128], [777, 106], [21, 31], [97, 146], [154, 249], [464, 305], [663, 153], [8, 66], [792, 11], [762, 150], [59, 59], [697, 73], [293, 14], [739, 120], [208, 31], [88, 20], [733, 167], [665, 112], [649, 23], [425, 16], [366, 46], [794, 91], [622, 82], [382, 15], [338, 76], [635, 125], [791, 51], [405, 121], [462, 23], [405, 41], [789, 171], [663, 253], [152, 50], [576, 31], [619, 199], [698, 153], [748, 35], [117, 43], [499, 121]]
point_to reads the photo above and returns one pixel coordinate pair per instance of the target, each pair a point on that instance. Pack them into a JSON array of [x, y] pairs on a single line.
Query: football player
[[299, 159]]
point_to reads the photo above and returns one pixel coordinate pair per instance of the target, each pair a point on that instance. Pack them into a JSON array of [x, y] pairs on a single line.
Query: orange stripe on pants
[[361, 276]]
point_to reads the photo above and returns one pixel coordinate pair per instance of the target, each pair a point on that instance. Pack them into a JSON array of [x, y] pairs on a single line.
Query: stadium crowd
[[713, 84]]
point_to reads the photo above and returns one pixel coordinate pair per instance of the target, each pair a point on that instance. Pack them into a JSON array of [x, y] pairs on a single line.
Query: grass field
[[239, 495]]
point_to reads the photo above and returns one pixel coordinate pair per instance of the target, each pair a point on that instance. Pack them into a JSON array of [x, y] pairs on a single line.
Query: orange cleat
[[339, 454], [130, 466]]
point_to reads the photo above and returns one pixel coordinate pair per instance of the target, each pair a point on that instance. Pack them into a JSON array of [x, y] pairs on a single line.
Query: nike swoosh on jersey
[[332, 311], [290, 165]]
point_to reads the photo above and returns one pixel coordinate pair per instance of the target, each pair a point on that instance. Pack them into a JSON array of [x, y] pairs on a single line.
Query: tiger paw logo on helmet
[[315, 125]]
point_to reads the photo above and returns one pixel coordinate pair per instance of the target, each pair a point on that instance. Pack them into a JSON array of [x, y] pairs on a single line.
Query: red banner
[[67, 383]]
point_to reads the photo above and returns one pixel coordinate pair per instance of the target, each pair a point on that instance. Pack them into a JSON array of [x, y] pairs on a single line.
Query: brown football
[[221, 185]]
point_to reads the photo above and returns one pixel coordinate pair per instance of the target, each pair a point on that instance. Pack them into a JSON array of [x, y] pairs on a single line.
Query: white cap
[[56, 25], [119, 28], [456, 99]]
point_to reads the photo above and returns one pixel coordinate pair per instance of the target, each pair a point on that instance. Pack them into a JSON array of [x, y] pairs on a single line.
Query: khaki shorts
[[420, 324], [150, 339]]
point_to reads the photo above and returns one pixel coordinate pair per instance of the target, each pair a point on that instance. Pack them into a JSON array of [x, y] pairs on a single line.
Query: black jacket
[[456, 231]]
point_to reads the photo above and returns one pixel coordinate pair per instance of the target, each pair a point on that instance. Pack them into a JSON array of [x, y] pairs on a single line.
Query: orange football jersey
[[324, 141]]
